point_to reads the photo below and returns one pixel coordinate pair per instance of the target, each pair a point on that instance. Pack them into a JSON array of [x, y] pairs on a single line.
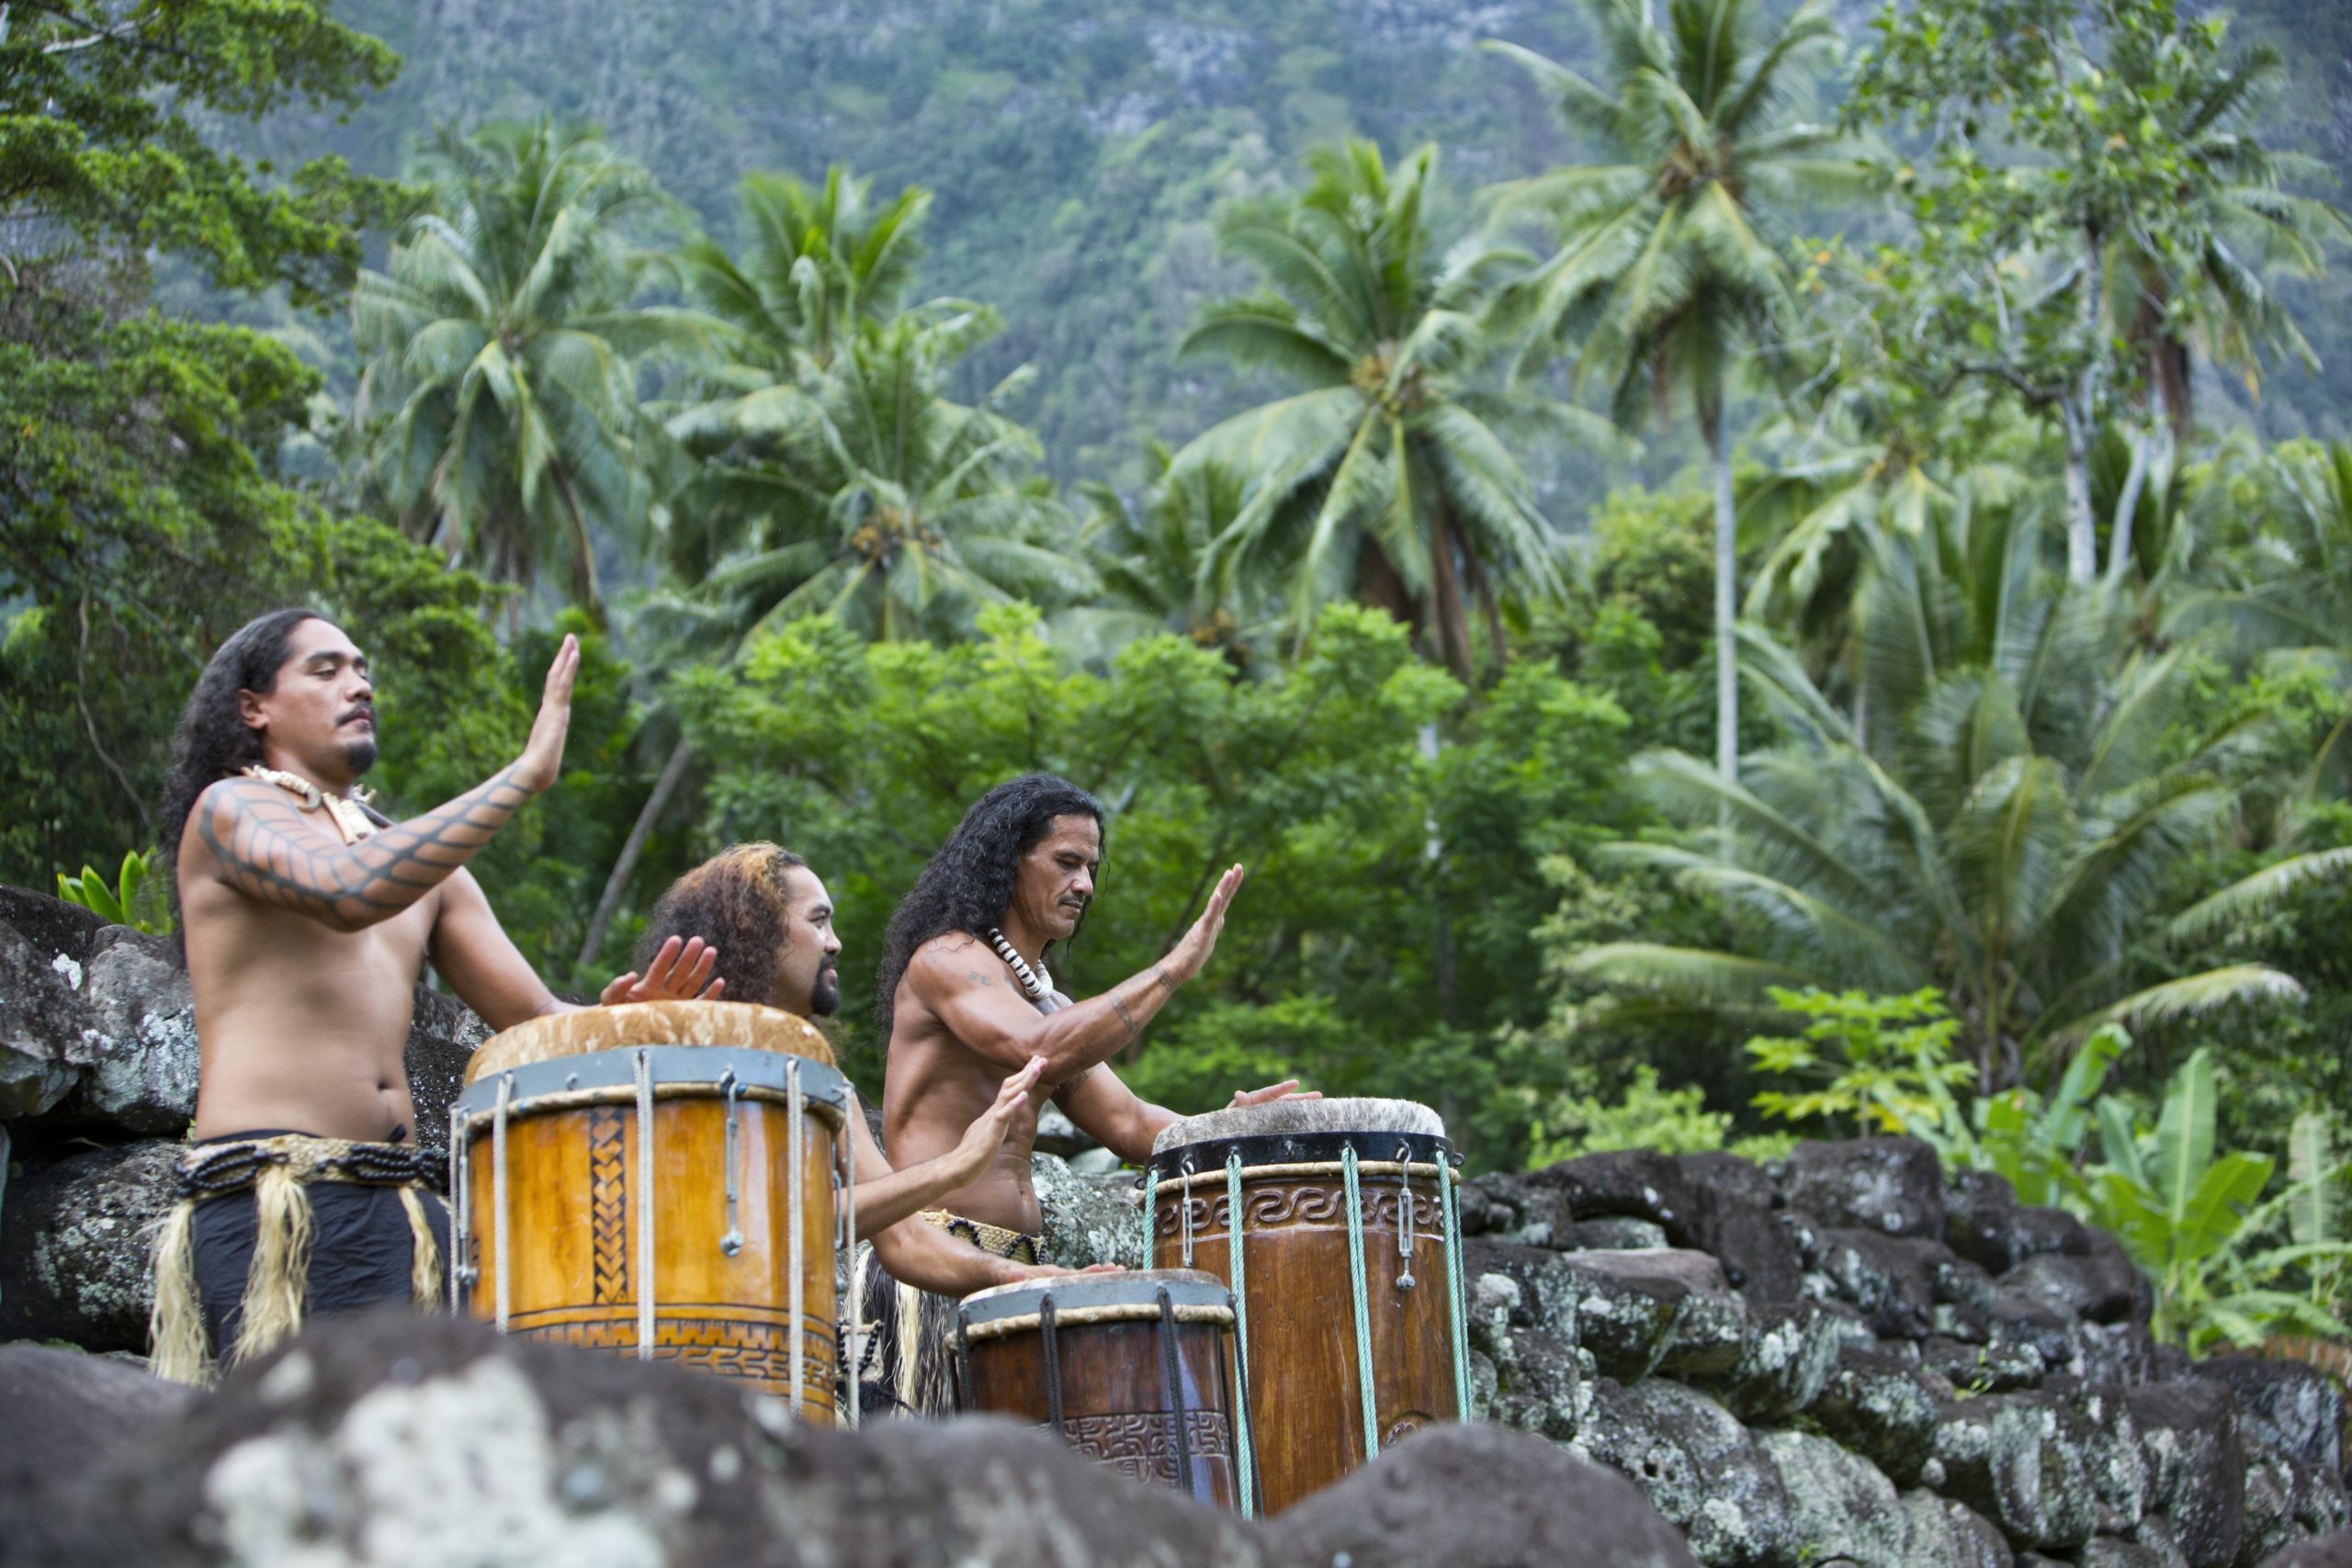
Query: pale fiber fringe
[[175, 1324], [273, 1303], [424, 1252]]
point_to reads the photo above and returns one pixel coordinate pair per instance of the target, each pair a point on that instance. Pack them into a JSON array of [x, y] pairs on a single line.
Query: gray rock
[[67, 1410], [1839, 1503], [2113, 1552], [1941, 1533], [1508, 1208], [1628, 1303], [2324, 1552], [2290, 1407], [1791, 1350], [1999, 1365], [1891, 1186], [1718, 1205], [39, 1004], [2016, 1460], [1881, 1277], [1985, 1223], [1542, 1385], [1549, 1294], [2196, 1474], [135, 1045], [1476, 1497], [1698, 1466], [73, 1246], [1613, 1233], [1089, 1219], [442, 1035], [2105, 1286], [394, 1437], [1877, 1403]]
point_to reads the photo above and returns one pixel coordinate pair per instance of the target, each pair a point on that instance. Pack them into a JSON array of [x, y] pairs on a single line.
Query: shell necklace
[[349, 815], [1037, 983]]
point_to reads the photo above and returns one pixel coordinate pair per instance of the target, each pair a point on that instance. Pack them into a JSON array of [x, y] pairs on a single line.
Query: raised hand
[[1287, 1090], [1192, 955], [678, 973], [987, 1132], [542, 757]]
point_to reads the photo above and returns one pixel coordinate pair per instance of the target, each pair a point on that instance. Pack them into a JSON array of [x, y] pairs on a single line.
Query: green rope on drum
[[1246, 1449], [1450, 1208], [1363, 1311], [1150, 1213]]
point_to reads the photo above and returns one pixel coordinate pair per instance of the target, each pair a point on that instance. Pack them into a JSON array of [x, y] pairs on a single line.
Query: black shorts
[[361, 1253]]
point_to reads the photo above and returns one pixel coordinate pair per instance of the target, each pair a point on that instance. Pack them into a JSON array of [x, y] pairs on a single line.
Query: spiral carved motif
[[1269, 1207]]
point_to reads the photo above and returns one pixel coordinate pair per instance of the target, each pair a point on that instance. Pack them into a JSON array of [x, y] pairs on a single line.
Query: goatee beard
[[826, 994], [359, 756]]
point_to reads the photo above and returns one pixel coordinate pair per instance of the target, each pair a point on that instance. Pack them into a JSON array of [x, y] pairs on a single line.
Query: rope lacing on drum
[[1150, 1213], [1362, 1305], [1245, 1448], [1450, 1215], [1172, 1369]]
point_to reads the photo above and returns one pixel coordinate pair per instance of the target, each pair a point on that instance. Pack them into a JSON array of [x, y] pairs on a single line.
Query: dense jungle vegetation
[[1731, 569]]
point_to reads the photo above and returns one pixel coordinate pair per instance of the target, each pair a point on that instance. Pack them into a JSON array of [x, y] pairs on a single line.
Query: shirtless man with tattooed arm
[[307, 918]]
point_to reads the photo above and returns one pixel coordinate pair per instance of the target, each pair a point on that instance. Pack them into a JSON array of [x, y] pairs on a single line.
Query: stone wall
[[1847, 1356]]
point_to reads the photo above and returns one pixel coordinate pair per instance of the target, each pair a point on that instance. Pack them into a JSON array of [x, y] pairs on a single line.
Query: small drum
[[657, 1179], [1348, 1276], [1135, 1371]]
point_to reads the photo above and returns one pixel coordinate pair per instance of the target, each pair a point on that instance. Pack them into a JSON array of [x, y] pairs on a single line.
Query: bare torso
[[301, 1027], [935, 1086]]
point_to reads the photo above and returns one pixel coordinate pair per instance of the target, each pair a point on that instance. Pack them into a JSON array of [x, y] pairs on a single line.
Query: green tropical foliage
[[500, 404], [1390, 479], [124, 901]]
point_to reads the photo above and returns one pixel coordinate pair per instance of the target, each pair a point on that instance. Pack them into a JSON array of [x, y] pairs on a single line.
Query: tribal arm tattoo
[[255, 830]]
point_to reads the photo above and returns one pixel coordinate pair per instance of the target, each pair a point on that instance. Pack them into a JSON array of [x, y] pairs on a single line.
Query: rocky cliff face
[[1850, 1357]]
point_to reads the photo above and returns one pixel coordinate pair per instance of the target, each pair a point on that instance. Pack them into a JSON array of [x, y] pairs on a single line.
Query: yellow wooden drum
[[658, 1179]]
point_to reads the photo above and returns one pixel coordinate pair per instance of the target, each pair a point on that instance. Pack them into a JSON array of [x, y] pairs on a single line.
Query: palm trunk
[[673, 773], [1453, 635], [2127, 505], [1716, 422], [2078, 410]]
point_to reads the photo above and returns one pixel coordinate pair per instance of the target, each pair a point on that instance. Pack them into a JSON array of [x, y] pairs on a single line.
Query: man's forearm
[[930, 1259], [1081, 1036], [265, 851]]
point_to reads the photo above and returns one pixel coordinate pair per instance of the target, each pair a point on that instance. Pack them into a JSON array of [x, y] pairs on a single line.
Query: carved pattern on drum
[[608, 1202], [754, 1352], [1276, 1208], [1138, 1441]]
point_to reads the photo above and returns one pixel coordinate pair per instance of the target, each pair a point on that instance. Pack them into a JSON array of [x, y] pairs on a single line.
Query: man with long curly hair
[[307, 916], [965, 996], [772, 919]]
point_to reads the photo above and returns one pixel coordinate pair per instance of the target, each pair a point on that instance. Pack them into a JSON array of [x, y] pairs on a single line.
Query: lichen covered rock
[[75, 1245]]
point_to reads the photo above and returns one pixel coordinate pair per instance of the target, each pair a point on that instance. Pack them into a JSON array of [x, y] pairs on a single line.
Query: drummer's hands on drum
[[680, 973], [986, 1134], [542, 756], [1287, 1090], [1192, 955]]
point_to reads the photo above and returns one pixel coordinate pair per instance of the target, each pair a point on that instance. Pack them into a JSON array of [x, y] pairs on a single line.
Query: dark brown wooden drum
[[1136, 1370], [1350, 1333], [658, 1180]]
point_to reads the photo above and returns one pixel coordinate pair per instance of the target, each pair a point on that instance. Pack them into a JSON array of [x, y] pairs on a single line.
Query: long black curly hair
[[212, 740], [968, 884]]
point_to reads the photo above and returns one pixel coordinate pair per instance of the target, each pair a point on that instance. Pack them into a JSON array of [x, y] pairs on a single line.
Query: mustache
[[358, 710]]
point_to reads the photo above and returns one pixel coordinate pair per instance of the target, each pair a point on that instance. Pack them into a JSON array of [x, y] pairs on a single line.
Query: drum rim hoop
[[1300, 1149], [496, 1054], [825, 1091], [1137, 1287], [1215, 1314]]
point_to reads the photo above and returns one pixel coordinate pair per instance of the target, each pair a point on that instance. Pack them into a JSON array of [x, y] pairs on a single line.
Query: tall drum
[[1347, 1273], [1134, 1370], [657, 1179]]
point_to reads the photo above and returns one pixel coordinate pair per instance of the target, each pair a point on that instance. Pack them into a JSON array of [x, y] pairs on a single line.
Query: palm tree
[[866, 493], [1389, 478], [815, 264], [1149, 559], [1663, 267], [2013, 848], [501, 399]]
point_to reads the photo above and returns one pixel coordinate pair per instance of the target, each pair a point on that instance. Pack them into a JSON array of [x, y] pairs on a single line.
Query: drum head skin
[[1302, 1118], [1136, 1288], [585, 1030]]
